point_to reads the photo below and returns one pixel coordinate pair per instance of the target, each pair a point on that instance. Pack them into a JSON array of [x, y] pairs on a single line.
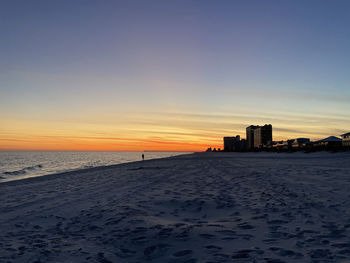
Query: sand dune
[[206, 207]]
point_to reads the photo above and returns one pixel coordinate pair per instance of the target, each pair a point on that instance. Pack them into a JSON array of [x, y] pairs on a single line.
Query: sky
[[170, 75]]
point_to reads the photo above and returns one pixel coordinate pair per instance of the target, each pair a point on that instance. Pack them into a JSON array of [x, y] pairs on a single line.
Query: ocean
[[23, 164]]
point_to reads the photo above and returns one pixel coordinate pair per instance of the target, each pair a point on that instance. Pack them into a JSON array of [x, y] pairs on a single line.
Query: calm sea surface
[[19, 165]]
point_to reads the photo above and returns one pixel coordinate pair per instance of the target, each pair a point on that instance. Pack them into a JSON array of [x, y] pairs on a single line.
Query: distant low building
[[330, 141], [299, 142], [281, 145], [243, 146], [270, 145], [229, 144], [232, 144], [346, 139]]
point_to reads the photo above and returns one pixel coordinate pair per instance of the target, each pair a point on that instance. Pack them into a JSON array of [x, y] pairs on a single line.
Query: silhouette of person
[[143, 157]]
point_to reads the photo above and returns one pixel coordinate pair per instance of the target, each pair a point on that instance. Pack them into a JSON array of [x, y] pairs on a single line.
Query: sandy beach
[[205, 207]]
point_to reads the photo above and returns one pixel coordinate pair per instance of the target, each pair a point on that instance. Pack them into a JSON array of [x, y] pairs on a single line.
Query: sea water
[[23, 164]]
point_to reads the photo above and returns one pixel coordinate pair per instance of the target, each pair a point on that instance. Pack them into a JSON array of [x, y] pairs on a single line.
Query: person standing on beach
[[143, 157]]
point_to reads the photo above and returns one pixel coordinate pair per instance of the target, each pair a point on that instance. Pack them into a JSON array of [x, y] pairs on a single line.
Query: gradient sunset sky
[[170, 75]]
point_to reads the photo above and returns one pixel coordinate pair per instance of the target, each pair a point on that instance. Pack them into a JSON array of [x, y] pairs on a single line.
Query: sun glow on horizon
[[171, 75], [153, 131]]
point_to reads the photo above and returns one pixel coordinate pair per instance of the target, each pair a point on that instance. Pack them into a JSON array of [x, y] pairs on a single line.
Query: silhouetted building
[[228, 144], [281, 145], [270, 144], [232, 144], [243, 146], [346, 139], [250, 136], [330, 141], [262, 135], [299, 142]]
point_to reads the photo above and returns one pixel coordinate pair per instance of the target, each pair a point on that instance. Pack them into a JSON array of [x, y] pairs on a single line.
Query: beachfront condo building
[[262, 135], [258, 136], [346, 139], [250, 136]]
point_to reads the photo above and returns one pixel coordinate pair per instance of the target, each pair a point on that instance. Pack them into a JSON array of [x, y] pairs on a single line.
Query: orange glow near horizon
[[103, 144], [170, 76], [150, 132]]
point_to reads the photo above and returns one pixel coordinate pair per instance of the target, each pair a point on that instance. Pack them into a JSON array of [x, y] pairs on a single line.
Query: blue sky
[[175, 64]]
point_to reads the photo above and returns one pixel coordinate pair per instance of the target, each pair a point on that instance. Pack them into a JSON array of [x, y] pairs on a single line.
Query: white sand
[[209, 207]]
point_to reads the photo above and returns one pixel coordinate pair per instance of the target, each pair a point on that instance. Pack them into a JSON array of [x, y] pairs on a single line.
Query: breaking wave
[[24, 170]]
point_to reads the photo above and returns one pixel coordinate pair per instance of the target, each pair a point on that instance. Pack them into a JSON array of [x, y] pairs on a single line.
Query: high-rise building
[[257, 136], [262, 135], [250, 136]]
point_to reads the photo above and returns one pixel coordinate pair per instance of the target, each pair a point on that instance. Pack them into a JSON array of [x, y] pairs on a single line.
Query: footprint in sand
[[286, 252], [207, 236], [155, 251], [182, 253], [240, 254], [245, 226], [212, 248], [272, 260], [321, 254]]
